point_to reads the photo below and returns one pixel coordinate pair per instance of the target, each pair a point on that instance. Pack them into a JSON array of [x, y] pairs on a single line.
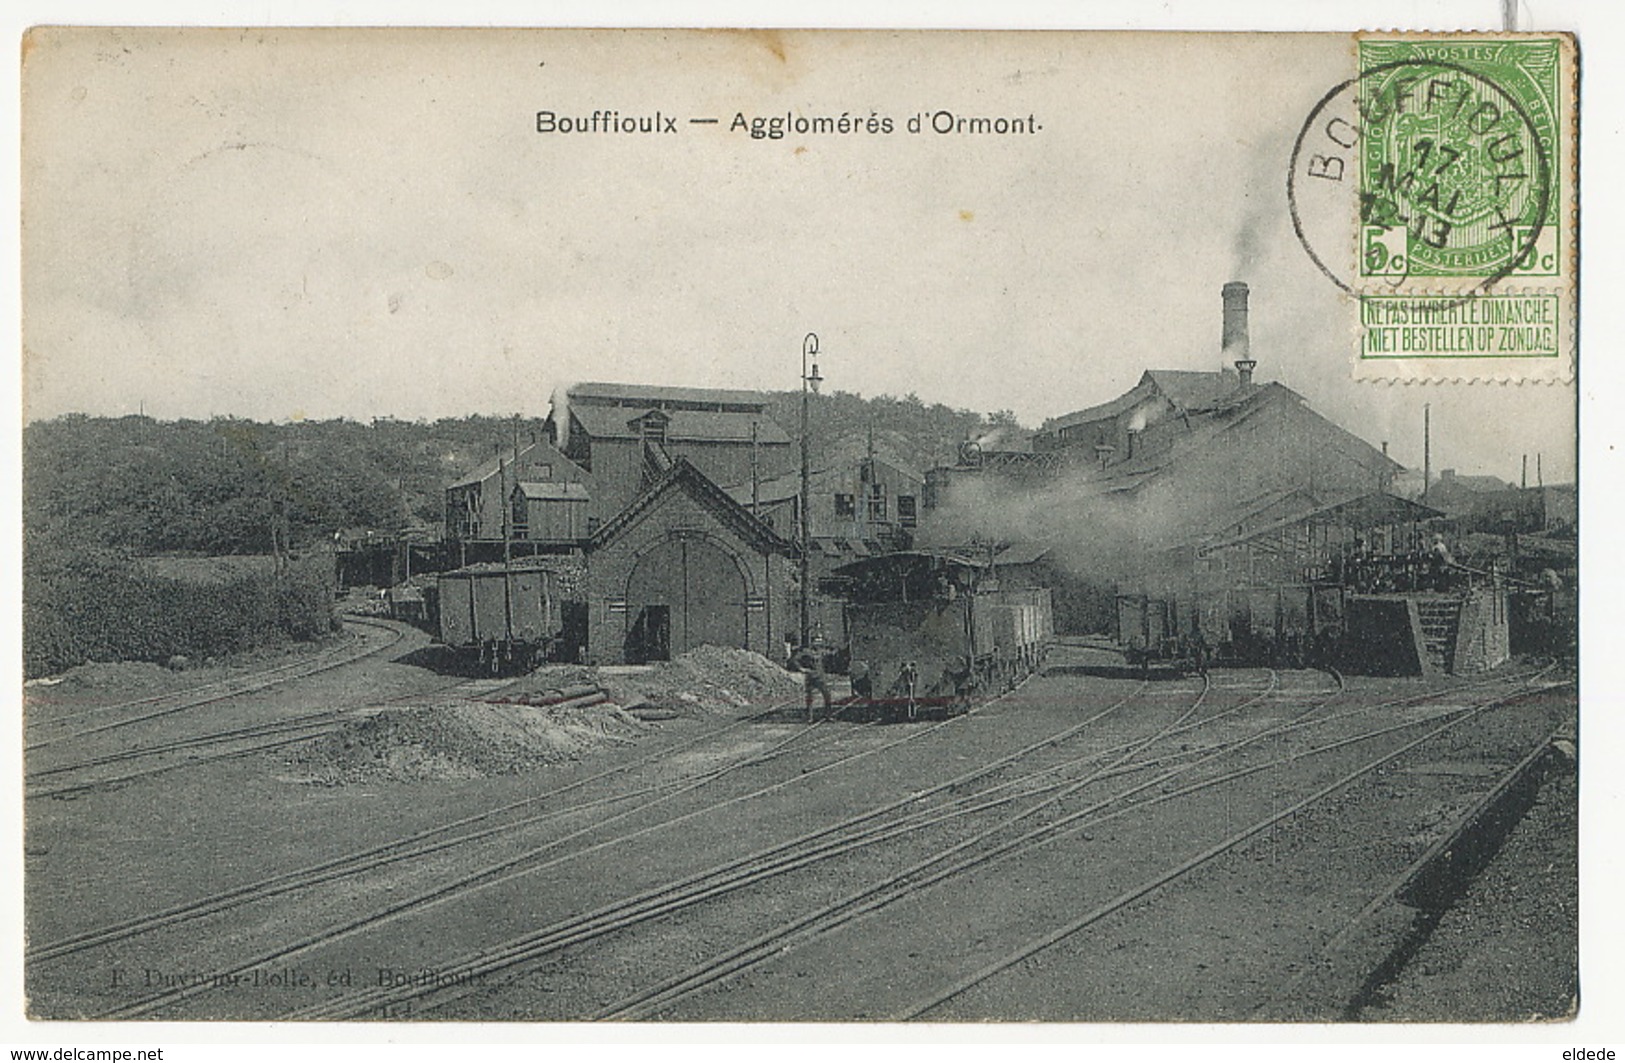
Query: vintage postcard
[[800, 526]]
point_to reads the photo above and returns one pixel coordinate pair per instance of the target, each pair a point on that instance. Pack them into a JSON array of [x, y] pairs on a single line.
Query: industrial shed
[[685, 565], [548, 496], [627, 435]]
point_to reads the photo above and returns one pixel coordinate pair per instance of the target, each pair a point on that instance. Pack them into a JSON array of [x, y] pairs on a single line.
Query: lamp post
[[809, 386]]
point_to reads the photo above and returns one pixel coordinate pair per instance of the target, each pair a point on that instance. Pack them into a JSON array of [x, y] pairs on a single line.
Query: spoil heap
[[560, 712], [460, 740], [703, 681]]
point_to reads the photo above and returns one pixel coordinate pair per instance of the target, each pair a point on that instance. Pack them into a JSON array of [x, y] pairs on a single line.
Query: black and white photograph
[[646, 526]]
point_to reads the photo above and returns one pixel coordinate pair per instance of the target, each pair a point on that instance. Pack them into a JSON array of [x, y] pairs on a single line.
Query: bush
[[95, 607]]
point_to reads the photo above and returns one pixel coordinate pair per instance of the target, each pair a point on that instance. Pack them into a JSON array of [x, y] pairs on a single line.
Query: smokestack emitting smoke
[[1236, 343]]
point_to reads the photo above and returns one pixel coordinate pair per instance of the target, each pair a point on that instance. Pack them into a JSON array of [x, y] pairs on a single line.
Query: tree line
[[140, 486]]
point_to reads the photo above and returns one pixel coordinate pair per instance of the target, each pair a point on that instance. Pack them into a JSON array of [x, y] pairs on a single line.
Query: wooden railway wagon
[[1165, 633], [505, 617], [935, 634], [1292, 625]]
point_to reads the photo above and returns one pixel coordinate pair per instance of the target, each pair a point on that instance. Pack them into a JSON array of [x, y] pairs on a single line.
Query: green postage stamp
[[1436, 187]]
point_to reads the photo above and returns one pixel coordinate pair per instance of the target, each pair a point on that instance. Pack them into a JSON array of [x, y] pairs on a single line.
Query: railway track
[[869, 899], [260, 738], [1285, 1002], [421, 843], [547, 855], [827, 843], [865, 831], [162, 705], [1001, 786], [80, 775], [528, 861], [1366, 767]]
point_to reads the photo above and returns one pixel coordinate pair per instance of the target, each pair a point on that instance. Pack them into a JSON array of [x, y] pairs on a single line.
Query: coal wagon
[[1287, 625], [506, 617], [1162, 633]]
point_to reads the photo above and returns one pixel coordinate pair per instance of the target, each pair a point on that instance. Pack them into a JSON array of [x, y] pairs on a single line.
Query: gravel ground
[[1508, 950], [1210, 946]]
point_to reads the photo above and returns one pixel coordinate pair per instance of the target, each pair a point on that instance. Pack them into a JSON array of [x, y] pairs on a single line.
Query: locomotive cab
[[936, 631]]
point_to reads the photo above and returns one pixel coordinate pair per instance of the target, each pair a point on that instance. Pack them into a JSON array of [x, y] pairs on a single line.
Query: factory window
[[877, 501], [845, 505], [906, 515]]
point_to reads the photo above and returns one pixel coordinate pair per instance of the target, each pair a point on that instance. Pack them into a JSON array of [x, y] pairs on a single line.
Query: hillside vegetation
[[141, 486]]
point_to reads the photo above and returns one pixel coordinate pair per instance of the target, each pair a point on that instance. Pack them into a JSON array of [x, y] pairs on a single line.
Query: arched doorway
[[685, 592]]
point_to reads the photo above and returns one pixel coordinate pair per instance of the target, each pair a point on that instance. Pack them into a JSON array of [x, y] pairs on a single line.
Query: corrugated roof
[[618, 422], [1479, 484], [1192, 390], [1372, 508], [1122, 404], [659, 393]]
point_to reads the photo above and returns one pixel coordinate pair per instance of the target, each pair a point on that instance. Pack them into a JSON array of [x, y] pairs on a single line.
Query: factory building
[[856, 509], [627, 436], [536, 496], [1457, 495], [685, 565], [1188, 447], [1181, 456]]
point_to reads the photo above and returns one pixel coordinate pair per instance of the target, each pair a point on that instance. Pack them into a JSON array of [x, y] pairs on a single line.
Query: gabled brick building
[[686, 565]]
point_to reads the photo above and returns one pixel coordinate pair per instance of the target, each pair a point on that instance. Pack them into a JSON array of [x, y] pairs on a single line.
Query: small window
[[906, 514], [654, 429], [877, 502], [845, 505]]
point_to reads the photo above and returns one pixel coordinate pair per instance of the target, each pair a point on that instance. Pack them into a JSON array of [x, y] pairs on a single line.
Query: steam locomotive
[[935, 632]]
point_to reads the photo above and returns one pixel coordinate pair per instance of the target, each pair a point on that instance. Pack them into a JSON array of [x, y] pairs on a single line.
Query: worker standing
[[810, 661], [1442, 562], [862, 685]]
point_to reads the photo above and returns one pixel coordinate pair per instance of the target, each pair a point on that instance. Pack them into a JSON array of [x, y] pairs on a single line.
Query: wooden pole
[[507, 548]]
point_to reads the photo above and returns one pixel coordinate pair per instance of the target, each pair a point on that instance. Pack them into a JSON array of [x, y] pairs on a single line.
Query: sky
[[280, 224]]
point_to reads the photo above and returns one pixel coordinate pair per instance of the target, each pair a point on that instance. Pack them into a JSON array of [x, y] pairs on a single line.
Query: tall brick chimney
[[1236, 343]]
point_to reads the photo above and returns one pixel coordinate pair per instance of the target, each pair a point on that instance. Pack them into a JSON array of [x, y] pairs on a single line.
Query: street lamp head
[[809, 349]]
